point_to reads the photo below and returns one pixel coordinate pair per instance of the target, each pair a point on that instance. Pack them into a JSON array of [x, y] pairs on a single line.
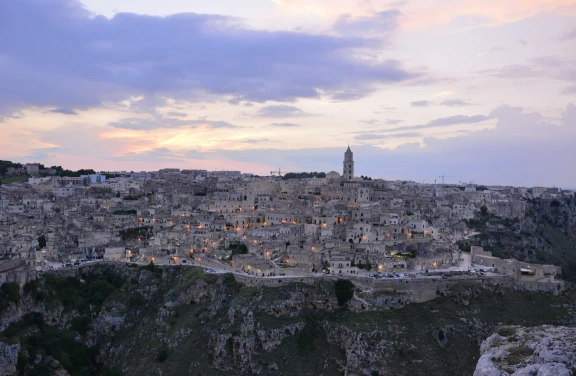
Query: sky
[[477, 91]]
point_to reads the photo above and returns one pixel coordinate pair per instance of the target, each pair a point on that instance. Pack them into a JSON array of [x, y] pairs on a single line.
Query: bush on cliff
[[9, 293], [344, 291]]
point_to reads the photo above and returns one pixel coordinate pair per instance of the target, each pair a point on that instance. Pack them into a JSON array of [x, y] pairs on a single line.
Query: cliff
[[120, 320]]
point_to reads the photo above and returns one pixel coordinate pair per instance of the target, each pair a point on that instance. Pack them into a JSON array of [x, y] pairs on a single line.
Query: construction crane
[[274, 173], [445, 176]]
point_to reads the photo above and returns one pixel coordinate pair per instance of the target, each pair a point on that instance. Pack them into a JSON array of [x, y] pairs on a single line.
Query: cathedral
[[348, 165]]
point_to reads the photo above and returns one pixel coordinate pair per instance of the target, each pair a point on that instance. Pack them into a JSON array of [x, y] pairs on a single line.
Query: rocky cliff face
[[117, 320], [539, 351]]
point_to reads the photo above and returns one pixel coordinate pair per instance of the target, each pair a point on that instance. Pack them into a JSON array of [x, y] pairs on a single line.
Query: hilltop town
[[270, 227]]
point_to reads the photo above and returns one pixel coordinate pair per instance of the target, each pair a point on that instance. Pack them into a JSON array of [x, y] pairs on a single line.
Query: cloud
[[64, 111], [569, 34], [156, 122], [421, 103], [281, 111], [157, 154], [393, 121], [284, 125], [177, 114], [373, 136], [550, 67], [440, 122], [569, 90], [253, 140], [483, 156], [370, 121], [454, 103], [60, 55], [375, 24]]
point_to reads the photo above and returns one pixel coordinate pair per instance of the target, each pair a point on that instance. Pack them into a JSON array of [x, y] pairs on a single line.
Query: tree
[[42, 241], [483, 210], [344, 291], [10, 291]]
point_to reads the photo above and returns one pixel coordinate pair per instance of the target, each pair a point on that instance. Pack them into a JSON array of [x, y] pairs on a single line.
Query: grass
[[14, 179], [518, 354]]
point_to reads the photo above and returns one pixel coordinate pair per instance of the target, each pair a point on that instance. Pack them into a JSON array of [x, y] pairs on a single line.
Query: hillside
[[120, 320], [545, 235]]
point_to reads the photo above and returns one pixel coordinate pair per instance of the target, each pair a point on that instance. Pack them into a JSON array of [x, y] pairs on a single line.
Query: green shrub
[[506, 331], [344, 291], [518, 354], [162, 355], [305, 342], [136, 300], [10, 291], [81, 324]]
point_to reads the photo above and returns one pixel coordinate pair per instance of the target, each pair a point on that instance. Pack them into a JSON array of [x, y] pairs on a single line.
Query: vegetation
[[414, 329], [83, 297], [9, 293], [37, 338], [14, 179], [5, 164], [238, 248], [131, 198], [72, 174], [344, 291], [303, 175], [162, 355], [307, 336], [135, 232], [42, 241], [464, 246], [125, 212]]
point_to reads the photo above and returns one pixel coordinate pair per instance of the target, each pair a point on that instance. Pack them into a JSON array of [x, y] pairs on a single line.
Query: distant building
[[539, 191], [348, 165], [94, 178], [33, 168]]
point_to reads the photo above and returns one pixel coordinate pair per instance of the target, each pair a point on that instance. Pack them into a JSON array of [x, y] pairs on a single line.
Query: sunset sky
[[481, 91]]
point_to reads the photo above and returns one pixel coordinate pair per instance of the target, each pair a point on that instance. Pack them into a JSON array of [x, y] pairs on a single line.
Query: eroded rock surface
[[538, 351]]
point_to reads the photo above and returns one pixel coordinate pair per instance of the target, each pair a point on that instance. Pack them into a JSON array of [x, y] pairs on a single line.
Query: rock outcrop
[[538, 351], [8, 358]]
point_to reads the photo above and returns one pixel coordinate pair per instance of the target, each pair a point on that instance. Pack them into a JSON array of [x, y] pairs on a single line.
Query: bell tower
[[348, 165]]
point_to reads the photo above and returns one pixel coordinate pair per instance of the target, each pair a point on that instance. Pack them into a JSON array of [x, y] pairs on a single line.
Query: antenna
[[445, 176]]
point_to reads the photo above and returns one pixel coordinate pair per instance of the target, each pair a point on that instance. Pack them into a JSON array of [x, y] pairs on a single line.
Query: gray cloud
[[177, 114], [393, 121], [156, 122], [455, 103], [544, 67], [59, 54], [440, 122], [64, 111], [421, 103], [281, 111], [370, 121], [373, 136], [253, 140], [284, 125]]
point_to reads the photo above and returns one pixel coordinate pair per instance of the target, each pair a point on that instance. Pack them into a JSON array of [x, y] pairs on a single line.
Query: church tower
[[348, 171]]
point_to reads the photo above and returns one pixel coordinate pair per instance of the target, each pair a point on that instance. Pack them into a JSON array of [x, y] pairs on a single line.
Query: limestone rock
[[539, 351], [8, 358]]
